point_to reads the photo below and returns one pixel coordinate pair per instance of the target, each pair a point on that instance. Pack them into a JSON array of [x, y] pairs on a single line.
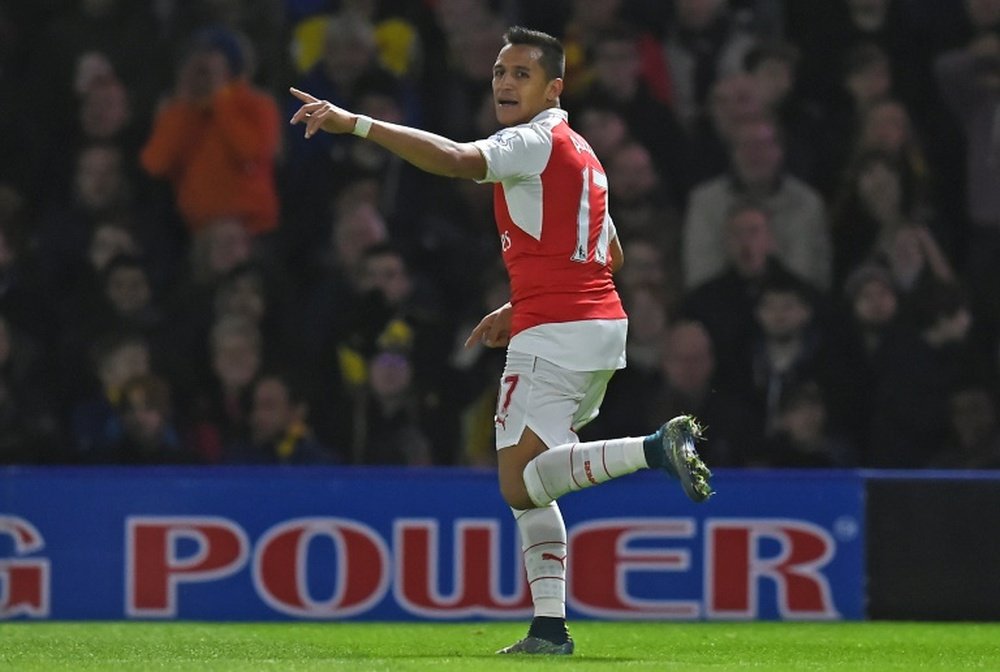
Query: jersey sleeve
[[516, 152]]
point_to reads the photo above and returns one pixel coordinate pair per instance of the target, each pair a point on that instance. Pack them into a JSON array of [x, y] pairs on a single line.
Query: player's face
[[520, 87]]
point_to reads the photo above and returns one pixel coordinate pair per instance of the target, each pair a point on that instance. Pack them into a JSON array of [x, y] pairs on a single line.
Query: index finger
[[302, 95], [477, 334], [475, 337]]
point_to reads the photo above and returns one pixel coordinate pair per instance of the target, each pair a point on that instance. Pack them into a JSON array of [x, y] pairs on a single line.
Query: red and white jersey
[[550, 200]]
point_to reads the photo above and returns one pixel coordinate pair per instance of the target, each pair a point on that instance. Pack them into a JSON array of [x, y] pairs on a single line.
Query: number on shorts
[[507, 387]]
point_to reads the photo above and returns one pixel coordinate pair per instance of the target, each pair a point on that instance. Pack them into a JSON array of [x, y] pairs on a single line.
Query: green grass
[[677, 647]]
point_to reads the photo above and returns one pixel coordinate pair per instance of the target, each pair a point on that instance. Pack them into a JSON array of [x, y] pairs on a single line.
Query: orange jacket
[[220, 157]]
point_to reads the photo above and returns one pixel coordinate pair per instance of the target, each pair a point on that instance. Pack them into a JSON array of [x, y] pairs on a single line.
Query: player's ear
[[554, 89]]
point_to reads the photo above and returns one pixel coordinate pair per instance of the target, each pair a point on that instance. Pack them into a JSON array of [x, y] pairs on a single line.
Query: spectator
[[685, 382], [216, 139], [974, 430], [877, 199], [348, 73], [587, 23], [911, 421], [106, 113], [788, 350], [85, 38], [725, 303], [224, 245], [917, 265], [870, 340], [279, 428], [865, 79], [604, 127], [643, 205], [704, 44], [23, 294], [93, 419], [826, 31], [617, 84], [29, 425], [969, 81], [802, 436], [143, 431], [330, 291], [101, 191], [647, 265], [387, 418], [463, 63], [797, 213], [773, 67], [219, 413], [648, 320], [471, 391], [887, 126], [258, 293], [392, 291], [733, 101]]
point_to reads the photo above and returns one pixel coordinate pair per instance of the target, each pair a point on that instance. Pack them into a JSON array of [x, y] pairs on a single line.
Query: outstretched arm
[[428, 151]]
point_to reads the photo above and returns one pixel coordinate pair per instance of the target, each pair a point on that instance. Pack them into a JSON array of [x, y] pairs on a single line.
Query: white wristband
[[362, 126]]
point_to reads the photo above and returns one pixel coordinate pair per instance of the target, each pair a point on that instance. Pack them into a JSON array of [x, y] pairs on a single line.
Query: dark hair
[[867, 273], [771, 51], [109, 344], [291, 380], [804, 392], [553, 60], [155, 388], [847, 200], [782, 283], [383, 249], [221, 39], [863, 56]]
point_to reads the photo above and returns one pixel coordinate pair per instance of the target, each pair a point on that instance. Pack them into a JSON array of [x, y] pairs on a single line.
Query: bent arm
[[249, 125], [175, 133], [617, 255]]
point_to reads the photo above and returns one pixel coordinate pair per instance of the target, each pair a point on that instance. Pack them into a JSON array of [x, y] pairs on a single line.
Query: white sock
[[543, 544], [575, 466]]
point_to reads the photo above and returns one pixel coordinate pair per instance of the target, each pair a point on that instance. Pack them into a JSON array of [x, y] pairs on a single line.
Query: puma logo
[[561, 559]]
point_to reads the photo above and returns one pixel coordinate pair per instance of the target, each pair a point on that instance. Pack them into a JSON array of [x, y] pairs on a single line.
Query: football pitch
[[469, 647]]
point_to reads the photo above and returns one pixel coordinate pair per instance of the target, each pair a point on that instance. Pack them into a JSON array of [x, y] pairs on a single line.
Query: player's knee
[[515, 494]]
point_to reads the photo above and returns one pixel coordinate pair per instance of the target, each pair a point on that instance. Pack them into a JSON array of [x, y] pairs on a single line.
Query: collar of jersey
[[550, 112]]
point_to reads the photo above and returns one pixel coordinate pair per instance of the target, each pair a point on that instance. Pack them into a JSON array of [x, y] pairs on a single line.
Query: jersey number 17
[[595, 186]]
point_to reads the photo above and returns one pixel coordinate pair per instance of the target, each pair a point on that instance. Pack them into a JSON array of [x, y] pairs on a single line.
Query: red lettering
[[603, 556], [24, 582], [735, 568], [476, 580], [154, 567], [280, 568]]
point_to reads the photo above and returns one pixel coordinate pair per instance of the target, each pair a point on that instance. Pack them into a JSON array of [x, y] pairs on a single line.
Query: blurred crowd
[[807, 192]]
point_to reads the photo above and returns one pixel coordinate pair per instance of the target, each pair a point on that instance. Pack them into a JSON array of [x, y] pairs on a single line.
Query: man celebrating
[[564, 327]]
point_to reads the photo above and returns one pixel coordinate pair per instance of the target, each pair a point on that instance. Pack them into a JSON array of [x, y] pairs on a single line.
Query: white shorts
[[554, 402]]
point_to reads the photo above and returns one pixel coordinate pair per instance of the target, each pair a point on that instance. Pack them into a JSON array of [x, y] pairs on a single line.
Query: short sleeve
[[516, 152]]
